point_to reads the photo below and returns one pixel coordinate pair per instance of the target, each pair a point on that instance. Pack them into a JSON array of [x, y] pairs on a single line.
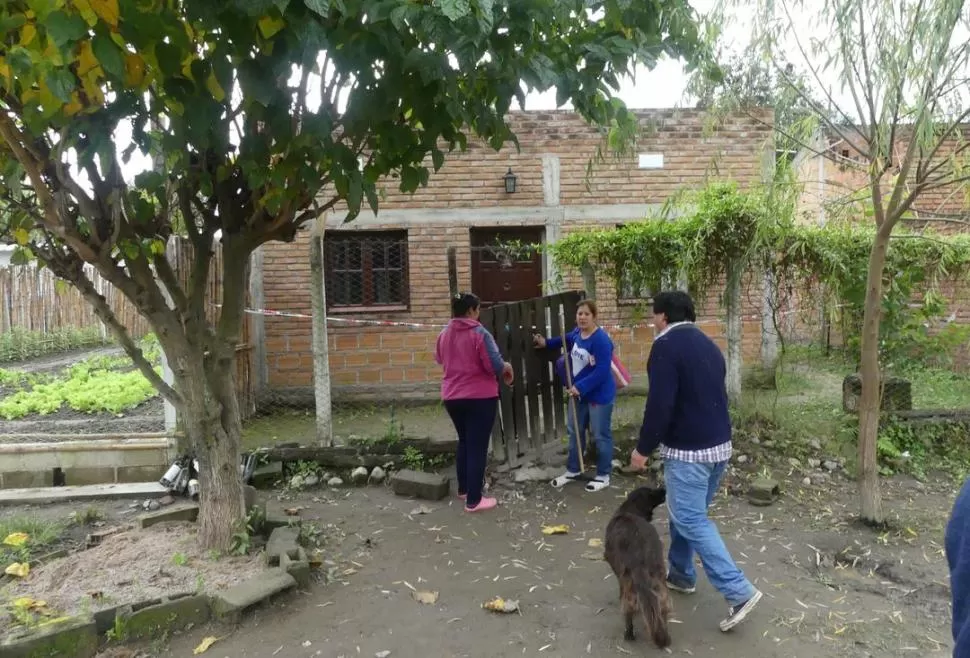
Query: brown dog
[[636, 554]]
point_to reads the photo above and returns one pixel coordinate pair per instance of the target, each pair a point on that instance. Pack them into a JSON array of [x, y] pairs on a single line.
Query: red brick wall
[[390, 361]]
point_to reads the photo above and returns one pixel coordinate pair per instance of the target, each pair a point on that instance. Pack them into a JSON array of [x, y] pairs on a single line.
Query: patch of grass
[[87, 516], [41, 535], [20, 344]]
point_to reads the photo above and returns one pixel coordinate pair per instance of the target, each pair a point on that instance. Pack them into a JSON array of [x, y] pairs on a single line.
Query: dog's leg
[[628, 598]]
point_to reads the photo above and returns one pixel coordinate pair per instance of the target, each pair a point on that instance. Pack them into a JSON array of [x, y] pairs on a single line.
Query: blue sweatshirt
[[957, 543], [687, 404], [591, 363]]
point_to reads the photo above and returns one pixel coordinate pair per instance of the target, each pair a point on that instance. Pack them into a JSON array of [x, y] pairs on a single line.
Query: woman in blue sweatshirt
[[594, 391]]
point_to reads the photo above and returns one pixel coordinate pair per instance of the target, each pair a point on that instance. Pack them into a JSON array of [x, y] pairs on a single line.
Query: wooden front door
[[501, 274]]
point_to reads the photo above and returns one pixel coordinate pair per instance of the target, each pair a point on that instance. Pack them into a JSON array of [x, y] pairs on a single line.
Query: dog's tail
[[653, 607]]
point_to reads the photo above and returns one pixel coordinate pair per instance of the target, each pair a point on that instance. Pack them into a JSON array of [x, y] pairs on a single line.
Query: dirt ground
[[130, 566], [832, 588]]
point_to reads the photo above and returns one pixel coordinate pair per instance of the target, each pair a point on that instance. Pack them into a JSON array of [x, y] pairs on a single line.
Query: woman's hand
[[538, 341], [508, 375], [573, 391]]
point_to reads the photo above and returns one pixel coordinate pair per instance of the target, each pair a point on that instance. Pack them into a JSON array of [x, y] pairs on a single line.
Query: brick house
[[393, 267]]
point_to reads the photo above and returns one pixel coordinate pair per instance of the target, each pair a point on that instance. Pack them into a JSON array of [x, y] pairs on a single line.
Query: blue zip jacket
[[957, 542], [592, 364]]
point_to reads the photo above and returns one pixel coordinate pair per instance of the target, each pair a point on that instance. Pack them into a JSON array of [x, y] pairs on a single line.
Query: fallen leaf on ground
[[423, 509], [204, 645], [428, 598], [589, 555], [382, 654], [16, 539], [595, 542], [498, 604], [27, 603], [18, 569], [555, 529], [292, 511]]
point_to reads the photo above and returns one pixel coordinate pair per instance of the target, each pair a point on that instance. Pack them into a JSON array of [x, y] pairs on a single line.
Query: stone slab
[[429, 486], [282, 541], [76, 638], [267, 475], [43, 495], [174, 513], [763, 492], [230, 603], [169, 614], [298, 567]]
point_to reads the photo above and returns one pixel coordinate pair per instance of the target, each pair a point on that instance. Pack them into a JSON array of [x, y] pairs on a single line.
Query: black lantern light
[[509, 179]]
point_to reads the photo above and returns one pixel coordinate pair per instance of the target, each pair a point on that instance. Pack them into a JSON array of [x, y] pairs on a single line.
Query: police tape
[[422, 325]]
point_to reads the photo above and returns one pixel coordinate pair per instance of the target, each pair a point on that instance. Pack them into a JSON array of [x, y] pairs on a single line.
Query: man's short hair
[[676, 305]]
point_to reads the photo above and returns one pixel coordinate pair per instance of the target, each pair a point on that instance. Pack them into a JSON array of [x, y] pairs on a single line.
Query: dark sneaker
[[675, 585], [740, 612]]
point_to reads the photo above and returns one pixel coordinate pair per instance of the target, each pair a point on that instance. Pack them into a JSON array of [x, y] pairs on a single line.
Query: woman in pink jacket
[[472, 365]]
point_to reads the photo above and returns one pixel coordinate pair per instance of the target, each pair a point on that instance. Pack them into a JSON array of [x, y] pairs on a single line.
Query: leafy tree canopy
[[258, 115]]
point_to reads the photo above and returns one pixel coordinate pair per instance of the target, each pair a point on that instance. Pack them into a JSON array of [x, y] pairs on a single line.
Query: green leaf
[[65, 28], [21, 235], [19, 60], [169, 59], [109, 56], [321, 7], [454, 9], [62, 83]]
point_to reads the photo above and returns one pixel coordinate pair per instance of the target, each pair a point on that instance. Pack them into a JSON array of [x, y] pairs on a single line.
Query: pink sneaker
[[483, 504]]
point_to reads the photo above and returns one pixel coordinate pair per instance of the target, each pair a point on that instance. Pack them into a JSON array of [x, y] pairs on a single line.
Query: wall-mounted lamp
[[509, 179]]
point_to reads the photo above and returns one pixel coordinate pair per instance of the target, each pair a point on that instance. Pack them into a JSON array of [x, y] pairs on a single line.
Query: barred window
[[366, 269]]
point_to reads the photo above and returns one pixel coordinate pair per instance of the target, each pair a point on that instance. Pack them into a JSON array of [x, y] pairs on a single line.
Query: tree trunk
[[214, 431], [732, 303], [769, 327], [869, 403]]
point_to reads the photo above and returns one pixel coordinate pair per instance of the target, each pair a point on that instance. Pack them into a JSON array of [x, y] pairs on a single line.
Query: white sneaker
[[740, 612]]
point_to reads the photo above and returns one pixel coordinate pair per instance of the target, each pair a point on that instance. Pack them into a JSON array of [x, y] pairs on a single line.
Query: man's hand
[[573, 391], [508, 375], [637, 461], [538, 341]]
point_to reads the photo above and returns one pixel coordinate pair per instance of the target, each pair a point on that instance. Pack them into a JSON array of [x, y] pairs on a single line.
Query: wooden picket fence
[[34, 300], [532, 412]]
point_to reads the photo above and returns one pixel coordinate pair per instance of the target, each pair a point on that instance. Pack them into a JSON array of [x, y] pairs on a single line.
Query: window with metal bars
[[367, 269]]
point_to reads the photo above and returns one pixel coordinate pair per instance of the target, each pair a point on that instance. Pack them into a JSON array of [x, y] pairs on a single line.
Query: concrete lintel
[[87, 492], [405, 217]]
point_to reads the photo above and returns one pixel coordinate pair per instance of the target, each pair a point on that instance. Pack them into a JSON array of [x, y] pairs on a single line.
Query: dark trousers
[[473, 421]]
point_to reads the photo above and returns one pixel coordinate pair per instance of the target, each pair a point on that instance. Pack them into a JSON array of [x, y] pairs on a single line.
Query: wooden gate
[[532, 413]]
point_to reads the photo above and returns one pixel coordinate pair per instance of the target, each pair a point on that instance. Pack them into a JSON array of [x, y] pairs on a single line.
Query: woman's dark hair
[[463, 302], [590, 304], [676, 305]]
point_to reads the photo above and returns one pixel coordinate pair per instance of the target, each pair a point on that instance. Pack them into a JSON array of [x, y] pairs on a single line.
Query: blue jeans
[[473, 421], [690, 491], [598, 418]]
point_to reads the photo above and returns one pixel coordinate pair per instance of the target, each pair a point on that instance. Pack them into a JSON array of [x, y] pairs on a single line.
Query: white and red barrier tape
[[419, 325]]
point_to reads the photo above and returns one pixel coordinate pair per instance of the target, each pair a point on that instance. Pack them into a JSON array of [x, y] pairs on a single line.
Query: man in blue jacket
[[957, 543], [686, 415]]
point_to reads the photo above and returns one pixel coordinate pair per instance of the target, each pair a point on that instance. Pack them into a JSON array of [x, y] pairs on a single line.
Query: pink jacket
[[471, 361]]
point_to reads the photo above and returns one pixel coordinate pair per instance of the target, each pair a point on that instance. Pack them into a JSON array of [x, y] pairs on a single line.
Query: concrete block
[[74, 638], [28, 479], [763, 492], [91, 475], [298, 567], [429, 486], [104, 620], [276, 518], [174, 513], [267, 475], [44, 495], [139, 473], [169, 614], [282, 541], [230, 603]]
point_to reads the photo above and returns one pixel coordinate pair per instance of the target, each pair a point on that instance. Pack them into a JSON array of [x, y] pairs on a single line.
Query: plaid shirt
[[719, 453]]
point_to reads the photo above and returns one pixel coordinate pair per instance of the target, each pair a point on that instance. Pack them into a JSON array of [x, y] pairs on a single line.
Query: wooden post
[[321, 350], [732, 298], [453, 270]]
